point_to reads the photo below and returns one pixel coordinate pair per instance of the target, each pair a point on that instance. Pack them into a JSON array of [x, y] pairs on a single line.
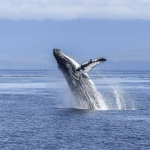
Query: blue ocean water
[[37, 112]]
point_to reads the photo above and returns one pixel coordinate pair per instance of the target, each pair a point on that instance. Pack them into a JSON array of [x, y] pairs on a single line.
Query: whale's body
[[81, 86]]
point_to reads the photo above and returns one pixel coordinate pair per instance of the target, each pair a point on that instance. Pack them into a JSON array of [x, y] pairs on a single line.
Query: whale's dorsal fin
[[86, 67]]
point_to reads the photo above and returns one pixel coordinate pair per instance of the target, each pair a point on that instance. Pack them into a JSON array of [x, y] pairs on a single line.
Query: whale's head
[[65, 63]]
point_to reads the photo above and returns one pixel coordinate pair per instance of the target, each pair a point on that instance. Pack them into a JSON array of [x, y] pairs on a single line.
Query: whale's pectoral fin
[[86, 67]]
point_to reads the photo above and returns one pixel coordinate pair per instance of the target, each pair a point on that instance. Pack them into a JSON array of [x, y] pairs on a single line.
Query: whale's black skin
[[82, 88]]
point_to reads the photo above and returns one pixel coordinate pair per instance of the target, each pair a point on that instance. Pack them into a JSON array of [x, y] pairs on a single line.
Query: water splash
[[119, 99], [87, 96]]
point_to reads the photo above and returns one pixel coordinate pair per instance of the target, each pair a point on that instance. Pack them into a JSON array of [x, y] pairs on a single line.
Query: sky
[[118, 30]]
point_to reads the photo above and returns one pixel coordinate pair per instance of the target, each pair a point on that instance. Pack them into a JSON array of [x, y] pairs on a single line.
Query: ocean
[[37, 112]]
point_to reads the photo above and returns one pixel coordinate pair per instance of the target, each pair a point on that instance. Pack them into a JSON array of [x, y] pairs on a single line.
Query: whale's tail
[[86, 67]]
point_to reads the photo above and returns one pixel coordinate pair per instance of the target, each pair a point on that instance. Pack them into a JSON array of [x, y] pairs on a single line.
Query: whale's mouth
[[57, 53], [62, 59], [59, 56]]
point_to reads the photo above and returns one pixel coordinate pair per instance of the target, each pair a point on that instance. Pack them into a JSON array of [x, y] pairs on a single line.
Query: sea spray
[[118, 99], [114, 99]]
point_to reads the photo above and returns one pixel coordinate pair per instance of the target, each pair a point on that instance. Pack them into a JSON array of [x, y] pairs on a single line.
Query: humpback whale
[[80, 84]]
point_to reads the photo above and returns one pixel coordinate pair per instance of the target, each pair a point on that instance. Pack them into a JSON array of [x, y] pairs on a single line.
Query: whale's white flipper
[[86, 67]]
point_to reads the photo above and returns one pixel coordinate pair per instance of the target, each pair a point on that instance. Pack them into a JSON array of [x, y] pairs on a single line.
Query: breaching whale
[[80, 84]]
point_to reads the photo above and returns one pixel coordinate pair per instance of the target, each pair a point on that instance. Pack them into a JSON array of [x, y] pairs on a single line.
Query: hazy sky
[[116, 29], [74, 9]]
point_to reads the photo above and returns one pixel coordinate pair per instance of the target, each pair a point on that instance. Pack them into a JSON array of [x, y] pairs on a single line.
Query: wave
[[22, 76], [119, 77]]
